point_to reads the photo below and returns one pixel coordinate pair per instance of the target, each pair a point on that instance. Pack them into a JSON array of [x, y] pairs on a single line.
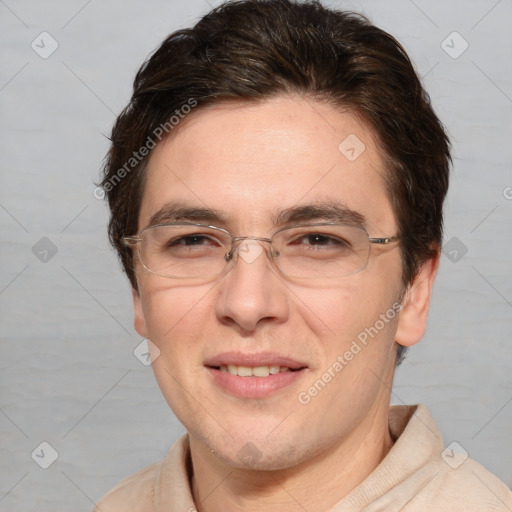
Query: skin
[[249, 162]]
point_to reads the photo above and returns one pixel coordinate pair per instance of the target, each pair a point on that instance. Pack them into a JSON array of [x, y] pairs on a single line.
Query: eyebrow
[[328, 212], [178, 212], [319, 212]]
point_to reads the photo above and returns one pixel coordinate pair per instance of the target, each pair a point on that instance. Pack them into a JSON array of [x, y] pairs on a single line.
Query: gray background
[[68, 373]]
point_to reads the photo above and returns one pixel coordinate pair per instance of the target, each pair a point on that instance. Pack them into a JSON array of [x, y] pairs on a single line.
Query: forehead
[[250, 162]]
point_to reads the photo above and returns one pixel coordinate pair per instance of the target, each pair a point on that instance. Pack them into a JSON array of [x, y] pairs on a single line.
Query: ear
[[139, 319], [412, 321]]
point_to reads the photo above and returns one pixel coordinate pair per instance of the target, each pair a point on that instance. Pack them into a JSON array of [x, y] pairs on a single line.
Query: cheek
[[177, 318], [175, 315], [341, 311]]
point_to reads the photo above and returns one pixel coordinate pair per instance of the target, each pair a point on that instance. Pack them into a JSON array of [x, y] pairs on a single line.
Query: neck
[[315, 484]]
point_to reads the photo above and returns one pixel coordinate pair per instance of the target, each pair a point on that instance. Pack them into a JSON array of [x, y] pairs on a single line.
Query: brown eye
[[191, 240]]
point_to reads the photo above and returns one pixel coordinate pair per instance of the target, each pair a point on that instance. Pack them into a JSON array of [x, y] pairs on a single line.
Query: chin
[[252, 458], [257, 453]]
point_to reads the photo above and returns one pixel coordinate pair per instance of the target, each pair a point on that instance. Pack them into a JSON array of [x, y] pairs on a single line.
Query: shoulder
[[425, 475], [165, 482], [462, 481], [134, 493]]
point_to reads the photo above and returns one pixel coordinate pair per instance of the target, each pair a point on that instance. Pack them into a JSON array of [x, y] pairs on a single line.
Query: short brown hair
[[251, 50]]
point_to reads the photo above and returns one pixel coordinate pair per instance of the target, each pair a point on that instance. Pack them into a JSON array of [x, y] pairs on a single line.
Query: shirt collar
[[417, 437]]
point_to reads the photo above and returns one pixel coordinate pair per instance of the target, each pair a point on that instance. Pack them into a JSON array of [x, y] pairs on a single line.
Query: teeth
[[256, 371], [244, 371], [259, 371]]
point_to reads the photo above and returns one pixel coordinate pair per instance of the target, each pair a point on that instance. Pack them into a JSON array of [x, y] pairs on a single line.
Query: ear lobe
[[412, 322], [139, 320]]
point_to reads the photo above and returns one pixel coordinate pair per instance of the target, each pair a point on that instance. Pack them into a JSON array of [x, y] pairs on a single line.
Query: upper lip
[[253, 359]]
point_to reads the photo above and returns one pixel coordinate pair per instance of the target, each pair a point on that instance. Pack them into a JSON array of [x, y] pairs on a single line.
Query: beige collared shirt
[[418, 474]]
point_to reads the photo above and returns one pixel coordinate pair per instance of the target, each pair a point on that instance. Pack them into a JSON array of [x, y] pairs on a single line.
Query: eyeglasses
[[185, 250]]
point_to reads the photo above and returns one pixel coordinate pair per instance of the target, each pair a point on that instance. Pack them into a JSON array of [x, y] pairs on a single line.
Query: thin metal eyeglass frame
[[131, 241]]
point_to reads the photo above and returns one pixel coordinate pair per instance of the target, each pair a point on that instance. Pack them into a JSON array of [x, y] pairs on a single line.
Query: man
[[276, 188]]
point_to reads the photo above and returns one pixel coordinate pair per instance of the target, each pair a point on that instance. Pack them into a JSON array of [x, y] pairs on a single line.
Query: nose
[[252, 293]]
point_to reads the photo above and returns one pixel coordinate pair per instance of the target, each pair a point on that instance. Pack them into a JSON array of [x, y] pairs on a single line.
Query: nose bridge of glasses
[[249, 252], [242, 238]]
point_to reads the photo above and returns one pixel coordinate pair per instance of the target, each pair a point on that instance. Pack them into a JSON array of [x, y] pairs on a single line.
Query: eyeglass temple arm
[[130, 240], [384, 241]]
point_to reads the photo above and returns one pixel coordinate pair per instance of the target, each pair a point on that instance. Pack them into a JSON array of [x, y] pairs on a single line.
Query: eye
[[192, 240], [319, 240]]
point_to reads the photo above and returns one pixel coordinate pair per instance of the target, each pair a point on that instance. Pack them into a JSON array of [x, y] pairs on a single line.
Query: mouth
[[255, 371], [254, 375]]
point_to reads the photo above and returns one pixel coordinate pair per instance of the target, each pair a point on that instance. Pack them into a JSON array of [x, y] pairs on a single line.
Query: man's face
[[251, 162]]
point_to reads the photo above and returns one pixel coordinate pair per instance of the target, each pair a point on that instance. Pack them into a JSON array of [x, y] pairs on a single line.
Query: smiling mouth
[[256, 376], [255, 371]]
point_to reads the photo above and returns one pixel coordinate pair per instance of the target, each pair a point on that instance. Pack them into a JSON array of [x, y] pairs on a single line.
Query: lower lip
[[254, 387]]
